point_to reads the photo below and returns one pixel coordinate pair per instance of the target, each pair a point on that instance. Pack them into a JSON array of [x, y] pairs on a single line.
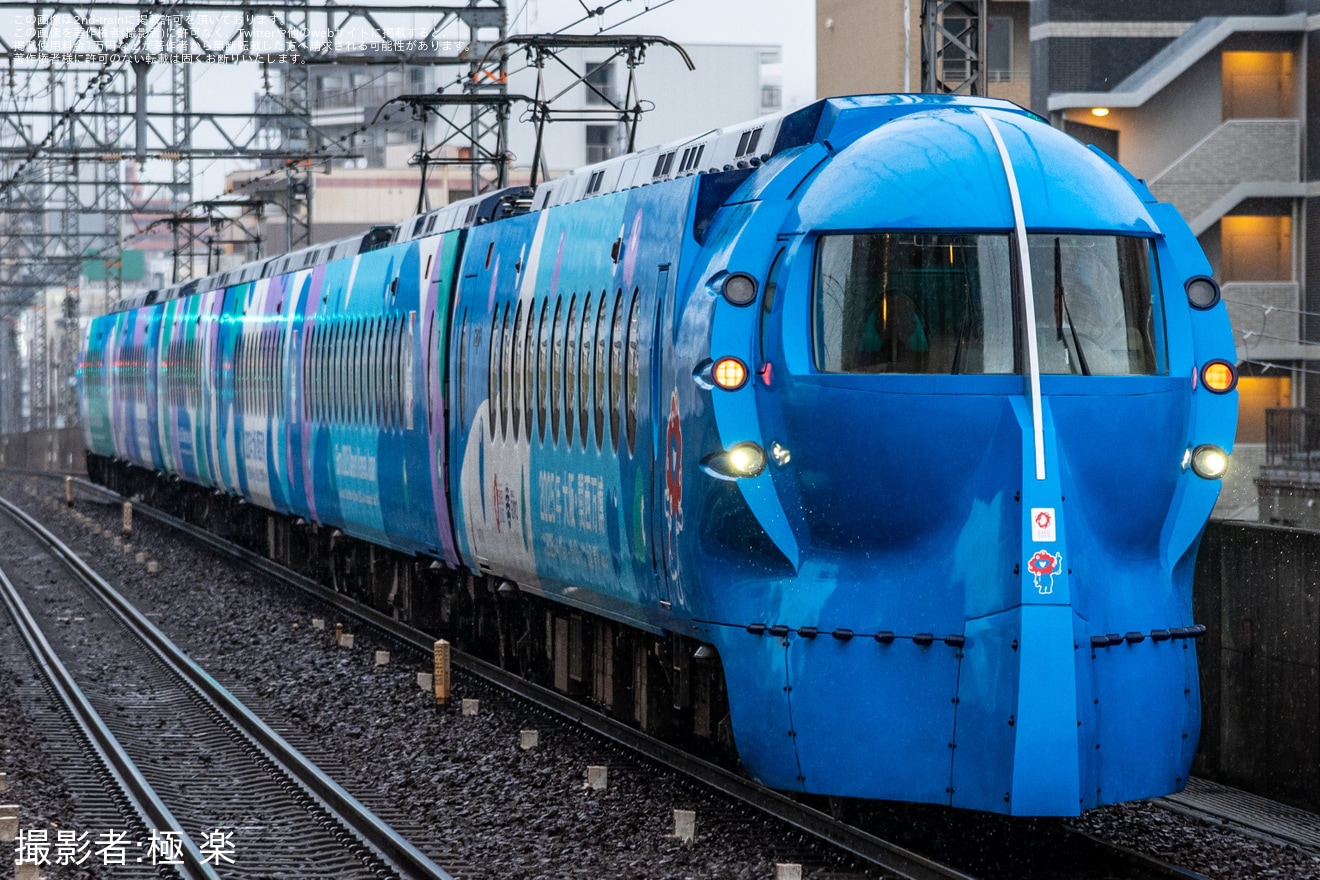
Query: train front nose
[[974, 513]]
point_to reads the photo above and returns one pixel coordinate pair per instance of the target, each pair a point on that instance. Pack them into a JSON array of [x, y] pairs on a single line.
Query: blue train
[[874, 439]]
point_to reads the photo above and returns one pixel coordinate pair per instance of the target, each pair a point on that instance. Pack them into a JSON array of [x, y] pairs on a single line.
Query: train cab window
[[519, 353], [634, 370], [570, 371], [615, 401], [1097, 305], [543, 369], [913, 302], [599, 391], [556, 367], [584, 375]]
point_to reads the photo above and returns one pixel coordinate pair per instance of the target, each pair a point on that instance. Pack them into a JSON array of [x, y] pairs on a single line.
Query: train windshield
[[1096, 308], [917, 302]]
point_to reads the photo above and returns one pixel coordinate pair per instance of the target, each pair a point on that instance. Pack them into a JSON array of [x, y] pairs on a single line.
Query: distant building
[[381, 183], [1210, 102]]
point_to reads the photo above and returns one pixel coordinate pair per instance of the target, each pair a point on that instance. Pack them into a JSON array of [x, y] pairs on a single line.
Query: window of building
[[601, 143], [1258, 85], [1256, 394], [599, 84], [1256, 248]]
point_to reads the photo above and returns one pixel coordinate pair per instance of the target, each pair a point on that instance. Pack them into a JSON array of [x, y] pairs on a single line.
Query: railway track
[[1087, 857], [191, 760]]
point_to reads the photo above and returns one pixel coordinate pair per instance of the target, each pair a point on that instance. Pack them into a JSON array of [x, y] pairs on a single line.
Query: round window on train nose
[[740, 289], [1202, 292]]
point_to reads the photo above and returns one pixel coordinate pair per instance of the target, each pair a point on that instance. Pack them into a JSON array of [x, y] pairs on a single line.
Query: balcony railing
[[1292, 438]]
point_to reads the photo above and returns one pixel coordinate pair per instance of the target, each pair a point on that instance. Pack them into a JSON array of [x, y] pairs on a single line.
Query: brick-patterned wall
[[1239, 151]]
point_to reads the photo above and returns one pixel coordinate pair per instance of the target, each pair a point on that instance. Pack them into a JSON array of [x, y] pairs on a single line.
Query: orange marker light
[[730, 373], [1219, 376]]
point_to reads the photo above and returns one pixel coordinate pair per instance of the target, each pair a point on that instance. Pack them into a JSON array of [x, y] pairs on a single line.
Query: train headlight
[[1209, 461], [1219, 376], [1202, 292], [744, 459]]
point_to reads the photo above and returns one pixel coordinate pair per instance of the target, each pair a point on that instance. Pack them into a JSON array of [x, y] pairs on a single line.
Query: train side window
[[634, 369], [542, 368], [506, 363], [398, 377], [616, 369], [556, 366], [584, 375], [570, 370], [599, 392], [462, 371], [528, 365], [493, 375], [359, 371], [519, 353]]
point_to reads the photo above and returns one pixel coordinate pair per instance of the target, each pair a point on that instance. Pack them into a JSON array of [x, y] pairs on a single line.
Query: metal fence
[[1292, 437]]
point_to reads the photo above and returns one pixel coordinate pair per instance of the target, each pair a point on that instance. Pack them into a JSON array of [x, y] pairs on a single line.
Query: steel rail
[[866, 847], [118, 765], [383, 841]]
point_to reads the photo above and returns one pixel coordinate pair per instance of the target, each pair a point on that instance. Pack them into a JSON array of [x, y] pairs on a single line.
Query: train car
[[875, 438]]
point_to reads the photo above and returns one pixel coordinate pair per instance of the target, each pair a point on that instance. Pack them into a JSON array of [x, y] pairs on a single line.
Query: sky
[[790, 24]]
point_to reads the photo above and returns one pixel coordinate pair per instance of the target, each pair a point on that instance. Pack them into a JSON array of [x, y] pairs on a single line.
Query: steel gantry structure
[[102, 127]]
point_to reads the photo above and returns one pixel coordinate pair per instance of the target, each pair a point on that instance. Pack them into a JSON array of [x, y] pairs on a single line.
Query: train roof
[[746, 145], [832, 121]]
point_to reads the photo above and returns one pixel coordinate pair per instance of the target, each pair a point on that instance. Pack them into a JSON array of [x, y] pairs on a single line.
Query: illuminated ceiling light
[[1209, 461], [1219, 376], [730, 373], [1100, 111]]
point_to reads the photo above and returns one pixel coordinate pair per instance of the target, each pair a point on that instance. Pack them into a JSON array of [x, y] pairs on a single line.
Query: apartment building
[[1209, 101]]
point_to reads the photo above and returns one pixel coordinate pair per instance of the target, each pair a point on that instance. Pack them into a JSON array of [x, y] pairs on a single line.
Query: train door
[[665, 508]]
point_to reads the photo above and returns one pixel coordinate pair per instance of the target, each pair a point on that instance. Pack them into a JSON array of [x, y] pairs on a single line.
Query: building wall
[[724, 89]]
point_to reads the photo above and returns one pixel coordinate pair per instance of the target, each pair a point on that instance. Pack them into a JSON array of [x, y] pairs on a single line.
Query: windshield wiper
[[1061, 311]]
